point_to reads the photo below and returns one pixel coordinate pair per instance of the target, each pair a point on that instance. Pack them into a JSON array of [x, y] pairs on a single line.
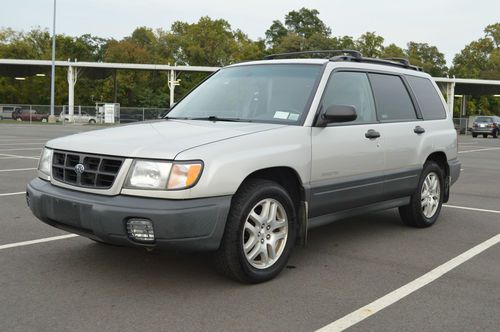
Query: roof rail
[[352, 53], [396, 62], [400, 60], [348, 55]]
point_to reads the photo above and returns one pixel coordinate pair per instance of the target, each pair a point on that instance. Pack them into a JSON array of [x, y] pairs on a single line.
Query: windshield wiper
[[216, 118]]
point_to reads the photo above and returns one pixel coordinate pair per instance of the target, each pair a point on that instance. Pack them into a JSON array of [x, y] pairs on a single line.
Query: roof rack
[[396, 62], [349, 55], [352, 53]]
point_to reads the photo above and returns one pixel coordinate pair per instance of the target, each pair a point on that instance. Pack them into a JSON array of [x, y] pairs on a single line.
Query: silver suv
[[256, 155]]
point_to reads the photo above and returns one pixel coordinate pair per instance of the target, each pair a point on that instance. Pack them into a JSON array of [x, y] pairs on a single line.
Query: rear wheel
[[260, 233], [426, 201], [485, 135], [474, 135]]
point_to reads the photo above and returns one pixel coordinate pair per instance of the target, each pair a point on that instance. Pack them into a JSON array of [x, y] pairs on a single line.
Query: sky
[[447, 24]]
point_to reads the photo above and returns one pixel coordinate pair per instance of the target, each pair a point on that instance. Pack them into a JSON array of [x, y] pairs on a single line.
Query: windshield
[[277, 93]]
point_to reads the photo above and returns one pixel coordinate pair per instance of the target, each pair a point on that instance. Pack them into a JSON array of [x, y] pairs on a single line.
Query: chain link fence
[[90, 114], [82, 114]]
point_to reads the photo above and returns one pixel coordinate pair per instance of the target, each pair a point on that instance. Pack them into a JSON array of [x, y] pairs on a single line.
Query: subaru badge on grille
[[79, 168]]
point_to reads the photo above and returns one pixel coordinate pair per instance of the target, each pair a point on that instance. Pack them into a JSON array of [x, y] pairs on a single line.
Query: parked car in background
[[486, 125], [83, 117], [6, 112], [31, 115]]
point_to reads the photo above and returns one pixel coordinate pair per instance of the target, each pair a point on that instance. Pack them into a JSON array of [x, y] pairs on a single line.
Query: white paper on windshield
[[281, 115]]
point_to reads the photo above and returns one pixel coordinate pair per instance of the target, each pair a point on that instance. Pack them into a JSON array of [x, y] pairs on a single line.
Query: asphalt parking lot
[[78, 285]]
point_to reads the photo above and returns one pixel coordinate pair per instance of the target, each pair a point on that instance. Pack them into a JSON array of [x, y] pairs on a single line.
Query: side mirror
[[339, 113]]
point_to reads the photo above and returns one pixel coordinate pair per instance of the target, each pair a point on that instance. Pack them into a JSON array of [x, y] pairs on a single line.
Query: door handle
[[419, 130], [371, 134]]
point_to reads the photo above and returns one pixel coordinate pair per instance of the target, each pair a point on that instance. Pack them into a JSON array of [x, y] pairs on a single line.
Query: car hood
[[162, 139]]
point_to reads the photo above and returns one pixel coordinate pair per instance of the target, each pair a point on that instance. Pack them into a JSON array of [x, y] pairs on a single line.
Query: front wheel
[[260, 233], [426, 201]]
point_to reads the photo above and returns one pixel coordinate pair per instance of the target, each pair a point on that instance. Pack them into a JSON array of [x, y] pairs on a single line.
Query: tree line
[[213, 42]]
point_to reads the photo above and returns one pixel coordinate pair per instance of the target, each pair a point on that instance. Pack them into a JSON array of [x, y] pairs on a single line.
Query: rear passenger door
[[400, 134], [347, 166]]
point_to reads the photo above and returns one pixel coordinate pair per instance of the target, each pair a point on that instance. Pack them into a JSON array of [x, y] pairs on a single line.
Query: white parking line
[[17, 156], [476, 150], [27, 243], [24, 139], [471, 209], [31, 143], [13, 194], [20, 149], [385, 301], [16, 169]]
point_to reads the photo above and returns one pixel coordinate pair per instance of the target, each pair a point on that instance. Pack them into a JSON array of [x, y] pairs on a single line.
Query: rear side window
[[427, 97], [392, 99], [351, 89]]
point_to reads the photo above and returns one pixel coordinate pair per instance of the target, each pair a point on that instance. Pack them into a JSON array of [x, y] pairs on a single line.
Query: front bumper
[[194, 224]]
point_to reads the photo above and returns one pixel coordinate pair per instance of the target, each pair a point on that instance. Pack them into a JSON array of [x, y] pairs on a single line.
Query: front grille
[[98, 171]]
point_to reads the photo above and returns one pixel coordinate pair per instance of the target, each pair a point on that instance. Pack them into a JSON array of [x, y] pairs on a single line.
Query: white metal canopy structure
[[25, 68], [466, 86]]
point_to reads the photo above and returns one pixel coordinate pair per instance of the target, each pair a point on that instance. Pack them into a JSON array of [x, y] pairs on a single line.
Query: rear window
[[484, 119], [427, 97], [391, 98]]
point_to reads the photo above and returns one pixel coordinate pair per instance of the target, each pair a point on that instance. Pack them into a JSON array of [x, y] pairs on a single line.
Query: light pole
[[53, 67]]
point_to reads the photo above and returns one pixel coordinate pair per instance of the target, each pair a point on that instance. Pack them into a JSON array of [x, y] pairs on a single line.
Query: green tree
[[370, 44], [428, 57], [276, 32], [393, 51], [300, 26], [305, 22]]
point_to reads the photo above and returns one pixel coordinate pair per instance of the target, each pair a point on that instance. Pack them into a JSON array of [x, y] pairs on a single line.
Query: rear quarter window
[[392, 100], [427, 97]]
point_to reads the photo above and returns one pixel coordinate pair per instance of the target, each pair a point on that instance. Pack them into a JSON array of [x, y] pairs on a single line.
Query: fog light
[[141, 230]]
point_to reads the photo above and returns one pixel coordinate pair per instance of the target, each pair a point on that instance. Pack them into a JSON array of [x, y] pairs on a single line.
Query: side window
[[427, 97], [351, 89], [392, 98]]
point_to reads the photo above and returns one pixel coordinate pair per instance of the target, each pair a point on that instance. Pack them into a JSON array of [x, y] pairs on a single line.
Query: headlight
[[45, 163], [146, 174], [161, 175]]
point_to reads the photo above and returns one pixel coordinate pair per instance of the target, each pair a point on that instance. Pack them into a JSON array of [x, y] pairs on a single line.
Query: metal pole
[[53, 69]]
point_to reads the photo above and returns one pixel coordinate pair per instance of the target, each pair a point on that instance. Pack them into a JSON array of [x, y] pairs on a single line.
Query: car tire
[[92, 121], [252, 235], [474, 135], [485, 135], [424, 211]]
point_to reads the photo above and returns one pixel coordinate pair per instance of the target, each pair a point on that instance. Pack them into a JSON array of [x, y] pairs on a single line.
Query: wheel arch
[[286, 176], [440, 158], [289, 179]]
